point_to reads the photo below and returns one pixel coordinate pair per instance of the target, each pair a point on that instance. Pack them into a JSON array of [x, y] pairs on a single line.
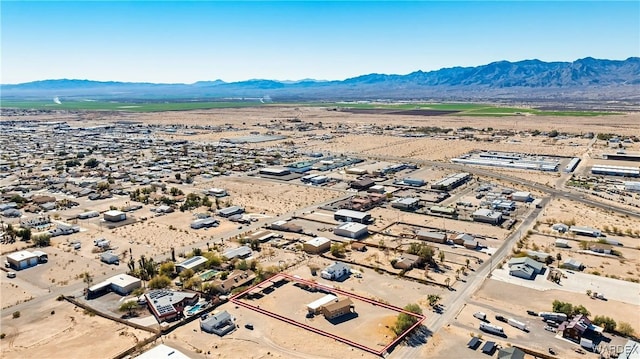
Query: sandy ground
[[68, 333], [626, 266], [561, 210], [27, 336], [270, 197]]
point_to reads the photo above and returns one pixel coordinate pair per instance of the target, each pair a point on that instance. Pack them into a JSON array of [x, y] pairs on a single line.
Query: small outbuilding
[[572, 264], [315, 307], [336, 309], [114, 216], [109, 258], [317, 245], [437, 237]]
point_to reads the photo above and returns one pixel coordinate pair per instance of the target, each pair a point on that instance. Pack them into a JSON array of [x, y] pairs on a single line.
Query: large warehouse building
[[22, 259], [615, 171], [347, 215], [351, 230], [122, 284]]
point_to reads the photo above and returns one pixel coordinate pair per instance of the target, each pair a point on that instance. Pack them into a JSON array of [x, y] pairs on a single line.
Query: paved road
[[454, 303]]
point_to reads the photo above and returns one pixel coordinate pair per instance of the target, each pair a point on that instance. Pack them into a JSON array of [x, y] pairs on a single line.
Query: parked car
[[11, 274], [551, 351], [249, 326], [501, 318], [531, 312], [550, 328]]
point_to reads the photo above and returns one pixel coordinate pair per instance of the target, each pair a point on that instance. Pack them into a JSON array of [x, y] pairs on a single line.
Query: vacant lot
[[61, 330]]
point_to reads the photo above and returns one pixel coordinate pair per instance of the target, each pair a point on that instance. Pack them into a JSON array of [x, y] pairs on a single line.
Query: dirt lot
[[68, 333], [269, 338], [270, 197], [625, 266], [561, 210], [369, 327]]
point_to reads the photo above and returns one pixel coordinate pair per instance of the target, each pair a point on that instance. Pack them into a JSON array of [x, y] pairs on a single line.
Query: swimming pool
[[193, 310], [208, 275]]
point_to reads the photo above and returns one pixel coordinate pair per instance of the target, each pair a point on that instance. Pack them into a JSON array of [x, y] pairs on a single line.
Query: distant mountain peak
[[586, 77]]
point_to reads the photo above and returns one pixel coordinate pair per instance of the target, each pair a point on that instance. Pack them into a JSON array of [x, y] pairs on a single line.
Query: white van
[[11, 274]]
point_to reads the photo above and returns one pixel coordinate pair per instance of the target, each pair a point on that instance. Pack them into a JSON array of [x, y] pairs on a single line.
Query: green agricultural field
[[465, 109]]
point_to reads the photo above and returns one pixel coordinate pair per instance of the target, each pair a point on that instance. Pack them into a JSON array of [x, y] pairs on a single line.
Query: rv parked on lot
[[493, 329]]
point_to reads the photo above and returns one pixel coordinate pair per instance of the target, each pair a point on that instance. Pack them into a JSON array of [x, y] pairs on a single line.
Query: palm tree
[[447, 281]]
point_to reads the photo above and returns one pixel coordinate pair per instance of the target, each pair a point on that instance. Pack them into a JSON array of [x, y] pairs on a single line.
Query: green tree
[[433, 299], [168, 269], [213, 260], [91, 163], [159, 282], [242, 265], [192, 283], [338, 250], [41, 240], [129, 307], [406, 321], [25, 234], [186, 274], [607, 323]]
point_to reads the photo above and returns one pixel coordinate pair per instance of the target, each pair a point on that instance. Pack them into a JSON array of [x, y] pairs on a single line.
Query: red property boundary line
[[236, 300]]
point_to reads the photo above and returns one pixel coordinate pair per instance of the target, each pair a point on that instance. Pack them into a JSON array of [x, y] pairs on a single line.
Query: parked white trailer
[[493, 329], [558, 317], [518, 324], [480, 315], [586, 343]]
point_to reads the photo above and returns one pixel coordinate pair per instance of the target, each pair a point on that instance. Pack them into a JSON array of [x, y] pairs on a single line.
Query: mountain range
[[583, 79]]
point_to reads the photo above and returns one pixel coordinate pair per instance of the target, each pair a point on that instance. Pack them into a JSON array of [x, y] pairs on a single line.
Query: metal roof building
[[351, 230], [193, 263], [240, 252], [347, 215], [230, 211], [615, 171]]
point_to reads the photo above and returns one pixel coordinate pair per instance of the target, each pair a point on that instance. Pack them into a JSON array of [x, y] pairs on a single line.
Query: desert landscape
[[167, 180]]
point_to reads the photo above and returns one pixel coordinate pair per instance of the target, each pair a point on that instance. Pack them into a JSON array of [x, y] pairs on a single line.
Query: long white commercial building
[[518, 164], [615, 171]]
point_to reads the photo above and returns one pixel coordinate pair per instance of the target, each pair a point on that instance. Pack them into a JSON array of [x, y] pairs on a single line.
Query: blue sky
[[185, 42]]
